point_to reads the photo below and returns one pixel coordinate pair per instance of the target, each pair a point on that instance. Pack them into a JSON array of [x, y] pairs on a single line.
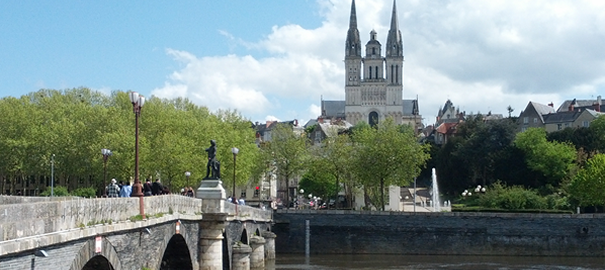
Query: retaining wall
[[358, 232]]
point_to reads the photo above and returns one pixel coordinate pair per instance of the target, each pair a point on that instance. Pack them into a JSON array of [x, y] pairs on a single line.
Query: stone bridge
[[110, 234]]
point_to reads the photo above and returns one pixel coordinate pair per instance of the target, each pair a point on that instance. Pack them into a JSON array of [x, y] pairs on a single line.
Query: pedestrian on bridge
[[126, 190], [112, 189]]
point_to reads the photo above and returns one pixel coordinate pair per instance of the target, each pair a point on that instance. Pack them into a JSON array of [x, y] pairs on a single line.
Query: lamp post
[[301, 192], [52, 175], [137, 189], [106, 153], [187, 174], [234, 150]]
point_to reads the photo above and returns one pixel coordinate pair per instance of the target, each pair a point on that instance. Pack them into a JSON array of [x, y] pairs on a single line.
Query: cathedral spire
[[353, 18], [353, 43], [394, 41]]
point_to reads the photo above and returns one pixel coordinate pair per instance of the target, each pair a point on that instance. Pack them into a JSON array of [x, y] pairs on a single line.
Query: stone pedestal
[[269, 244], [257, 258], [213, 196], [241, 257]]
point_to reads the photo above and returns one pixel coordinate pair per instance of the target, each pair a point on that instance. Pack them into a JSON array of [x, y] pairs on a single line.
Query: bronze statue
[[213, 165]]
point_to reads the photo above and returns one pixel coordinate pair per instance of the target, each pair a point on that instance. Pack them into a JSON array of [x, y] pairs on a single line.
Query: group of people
[[118, 190], [236, 201], [122, 189], [155, 188], [188, 191]]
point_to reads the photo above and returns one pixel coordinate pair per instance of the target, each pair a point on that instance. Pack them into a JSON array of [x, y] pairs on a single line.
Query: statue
[[213, 165]]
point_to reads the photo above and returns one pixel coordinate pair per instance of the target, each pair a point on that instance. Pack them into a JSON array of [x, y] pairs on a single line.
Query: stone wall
[[355, 232], [129, 249], [40, 216]]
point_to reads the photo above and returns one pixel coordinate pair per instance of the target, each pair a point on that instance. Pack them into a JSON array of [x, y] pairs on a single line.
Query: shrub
[[511, 198], [88, 192], [58, 191]]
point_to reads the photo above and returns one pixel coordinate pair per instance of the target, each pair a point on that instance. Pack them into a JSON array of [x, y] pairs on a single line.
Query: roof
[[333, 109], [562, 117], [447, 128], [577, 104], [334, 128], [410, 107]]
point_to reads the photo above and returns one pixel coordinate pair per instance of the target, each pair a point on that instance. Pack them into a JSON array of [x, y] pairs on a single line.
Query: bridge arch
[[176, 253], [88, 259]]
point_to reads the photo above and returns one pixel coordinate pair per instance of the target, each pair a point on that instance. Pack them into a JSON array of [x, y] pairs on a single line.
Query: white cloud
[[483, 55]]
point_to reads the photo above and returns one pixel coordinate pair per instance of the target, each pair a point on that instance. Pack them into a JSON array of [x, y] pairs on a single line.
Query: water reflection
[[378, 262]]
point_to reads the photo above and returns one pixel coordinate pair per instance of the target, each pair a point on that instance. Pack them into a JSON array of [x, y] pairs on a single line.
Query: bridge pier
[[269, 244], [257, 258], [241, 257], [211, 242]]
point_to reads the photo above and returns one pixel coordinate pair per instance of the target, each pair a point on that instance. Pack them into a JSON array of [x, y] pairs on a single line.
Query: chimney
[[551, 104], [570, 107], [320, 120]]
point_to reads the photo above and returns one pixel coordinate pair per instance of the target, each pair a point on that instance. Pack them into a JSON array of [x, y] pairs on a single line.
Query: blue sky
[[275, 59]]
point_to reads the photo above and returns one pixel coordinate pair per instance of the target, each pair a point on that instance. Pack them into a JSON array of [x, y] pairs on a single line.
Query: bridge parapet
[[30, 219], [244, 213]]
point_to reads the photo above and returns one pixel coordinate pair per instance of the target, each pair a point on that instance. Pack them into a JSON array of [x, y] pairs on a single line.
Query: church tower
[[377, 93]]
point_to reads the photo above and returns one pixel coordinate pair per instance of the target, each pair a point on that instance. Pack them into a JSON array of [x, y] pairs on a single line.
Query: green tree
[[552, 159], [586, 186], [289, 152], [387, 155]]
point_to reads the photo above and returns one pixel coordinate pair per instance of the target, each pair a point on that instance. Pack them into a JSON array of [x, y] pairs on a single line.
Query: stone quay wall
[[373, 232]]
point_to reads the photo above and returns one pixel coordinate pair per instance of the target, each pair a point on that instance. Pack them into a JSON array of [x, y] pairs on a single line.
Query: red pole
[[137, 188]]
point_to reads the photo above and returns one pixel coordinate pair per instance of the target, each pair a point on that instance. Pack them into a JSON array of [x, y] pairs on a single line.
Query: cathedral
[[373, 82]]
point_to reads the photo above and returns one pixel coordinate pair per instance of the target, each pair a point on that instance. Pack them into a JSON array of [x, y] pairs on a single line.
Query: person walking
[[147, 190], [126, 190], [156, 187], [112, 189]]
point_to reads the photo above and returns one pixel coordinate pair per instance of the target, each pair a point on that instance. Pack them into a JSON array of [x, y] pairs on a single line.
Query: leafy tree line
[[489, 152], [372, 158], [75, 124]]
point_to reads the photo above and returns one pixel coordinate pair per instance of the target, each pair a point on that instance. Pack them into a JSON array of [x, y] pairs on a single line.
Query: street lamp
[[106, 153], [137, 189], [52, 175], [301, 196], [234, 150], [187, 174]]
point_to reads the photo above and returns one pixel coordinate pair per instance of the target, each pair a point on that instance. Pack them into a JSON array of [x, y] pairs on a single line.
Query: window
[[535, 120], [523, 129], [525, 120], [566, 124], [585, 124], [243, 194], [559, 127]]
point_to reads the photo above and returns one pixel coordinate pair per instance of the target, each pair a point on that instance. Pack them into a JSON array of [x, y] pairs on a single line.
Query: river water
[[380, 262]]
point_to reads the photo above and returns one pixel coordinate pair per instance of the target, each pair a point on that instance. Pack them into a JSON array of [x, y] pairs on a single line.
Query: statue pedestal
[[213, 196]]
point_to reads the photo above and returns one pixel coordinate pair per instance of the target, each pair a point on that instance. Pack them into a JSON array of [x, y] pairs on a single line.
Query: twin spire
[[394, 46]]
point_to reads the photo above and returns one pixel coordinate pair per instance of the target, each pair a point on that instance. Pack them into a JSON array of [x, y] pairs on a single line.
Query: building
[[373, 82], [571, 114]]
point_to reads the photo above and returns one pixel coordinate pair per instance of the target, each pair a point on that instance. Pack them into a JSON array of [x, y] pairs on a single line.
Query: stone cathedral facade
[[373, 81]]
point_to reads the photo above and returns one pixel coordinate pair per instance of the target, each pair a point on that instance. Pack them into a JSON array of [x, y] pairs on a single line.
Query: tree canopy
[[75, 124]]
